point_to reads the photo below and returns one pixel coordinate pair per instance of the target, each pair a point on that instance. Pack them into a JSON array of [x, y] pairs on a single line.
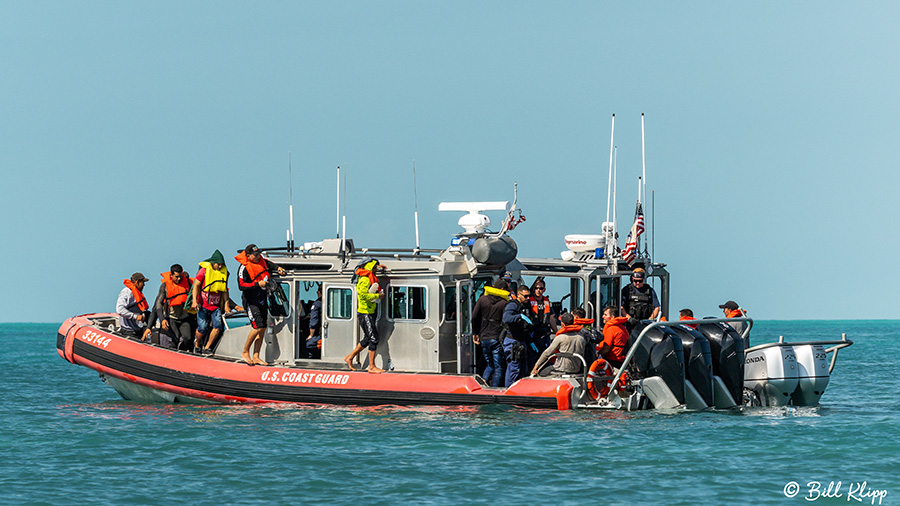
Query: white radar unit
[[474, 223]]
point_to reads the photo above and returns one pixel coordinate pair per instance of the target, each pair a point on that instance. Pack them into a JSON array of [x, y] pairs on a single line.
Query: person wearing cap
[[210, 299], [732, 310], [131, 306], [639, 300], [368, 292], [253, 276]]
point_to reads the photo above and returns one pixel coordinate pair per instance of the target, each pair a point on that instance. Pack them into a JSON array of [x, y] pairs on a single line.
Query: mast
[[643, 194], [612, 134], [290, 232], [416, 205], [337, 214]]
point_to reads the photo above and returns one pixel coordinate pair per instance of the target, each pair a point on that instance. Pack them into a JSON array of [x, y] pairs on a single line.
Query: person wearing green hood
[[368, 291], [210, 298]]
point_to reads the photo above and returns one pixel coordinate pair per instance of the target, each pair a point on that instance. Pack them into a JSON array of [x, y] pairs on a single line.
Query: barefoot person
[[368, 291], [253, 276]]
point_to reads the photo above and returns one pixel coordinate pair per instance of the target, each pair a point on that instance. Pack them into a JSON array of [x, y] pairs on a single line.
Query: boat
[[427, 344]]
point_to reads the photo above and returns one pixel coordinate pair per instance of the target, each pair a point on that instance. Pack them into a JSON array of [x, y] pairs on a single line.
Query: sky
[[137, 135]]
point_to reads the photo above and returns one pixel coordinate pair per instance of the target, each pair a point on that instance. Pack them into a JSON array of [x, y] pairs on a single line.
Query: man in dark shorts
[[253, 276]]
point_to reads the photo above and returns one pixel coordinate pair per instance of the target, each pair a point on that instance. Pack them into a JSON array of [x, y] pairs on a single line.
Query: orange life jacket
[[258, 271], [362, 271], [683, 318], [176, 294], [534, 305], [138, 296], [734, 313], [569, 328], [584, 321]]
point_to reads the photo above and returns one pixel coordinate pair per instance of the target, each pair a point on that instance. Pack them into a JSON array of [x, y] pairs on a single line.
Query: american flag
[[631, 244]]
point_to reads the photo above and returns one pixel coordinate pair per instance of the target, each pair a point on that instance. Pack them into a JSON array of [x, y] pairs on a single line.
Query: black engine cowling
[[727, 350], [697, 361], [661, 353]]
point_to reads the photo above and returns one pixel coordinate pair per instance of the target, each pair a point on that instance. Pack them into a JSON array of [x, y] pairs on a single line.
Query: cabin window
[[407, 303], [340, 303], [450, 303]]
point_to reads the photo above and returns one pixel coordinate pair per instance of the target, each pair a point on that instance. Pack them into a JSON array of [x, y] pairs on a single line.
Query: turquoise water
[[69, 439]]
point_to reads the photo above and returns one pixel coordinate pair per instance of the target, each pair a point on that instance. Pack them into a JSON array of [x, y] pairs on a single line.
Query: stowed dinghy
[[427, 347]]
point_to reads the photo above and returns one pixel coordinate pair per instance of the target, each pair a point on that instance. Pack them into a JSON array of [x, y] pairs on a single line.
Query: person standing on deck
[[131, 306], [487, 327], [210, 299], [368, 292], [517, 326], [253, 276], [542, 315], [639, 300], [178, 324], [314, 341]]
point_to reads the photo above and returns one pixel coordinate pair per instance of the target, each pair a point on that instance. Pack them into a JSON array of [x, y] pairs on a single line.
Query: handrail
[[656, 324], [840, 344]]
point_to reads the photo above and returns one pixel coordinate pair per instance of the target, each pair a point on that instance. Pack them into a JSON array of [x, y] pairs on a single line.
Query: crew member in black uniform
[[639, 300]]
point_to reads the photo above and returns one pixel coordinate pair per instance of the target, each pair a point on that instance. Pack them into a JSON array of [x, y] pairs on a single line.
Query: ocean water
[[67, 438]]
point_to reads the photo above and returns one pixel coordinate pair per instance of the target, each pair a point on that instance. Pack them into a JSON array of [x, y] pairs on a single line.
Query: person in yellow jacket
[[368, 292], [210, 299]]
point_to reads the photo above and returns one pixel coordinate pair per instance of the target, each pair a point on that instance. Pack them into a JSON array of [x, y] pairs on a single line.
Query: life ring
[[601, 373]]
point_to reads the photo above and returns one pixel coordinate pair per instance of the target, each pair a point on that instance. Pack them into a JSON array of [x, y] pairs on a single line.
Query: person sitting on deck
[[687, 314], [177, 324], [731, 309], [131, 307], [368, 292], [253, 276], [568, 340], [615, 337], [210, 299]]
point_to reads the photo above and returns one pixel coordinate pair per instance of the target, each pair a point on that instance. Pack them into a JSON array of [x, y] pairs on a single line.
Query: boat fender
[[564, 396], [495, 250]]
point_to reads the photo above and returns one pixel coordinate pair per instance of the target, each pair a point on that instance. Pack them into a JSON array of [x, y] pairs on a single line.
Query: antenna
[[653, 224], [615, 182], [643, 193], [416, 205], [290, 232], [337, 217], [611, 149]]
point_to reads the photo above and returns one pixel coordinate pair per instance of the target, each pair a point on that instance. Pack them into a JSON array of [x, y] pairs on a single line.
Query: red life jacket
[[258, 271], [176, 294], [138, 296]]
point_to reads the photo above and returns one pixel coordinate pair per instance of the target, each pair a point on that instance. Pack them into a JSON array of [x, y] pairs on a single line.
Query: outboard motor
[[812, 373], [772, 373], [697, 363], [727, 350], [659, 355]]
